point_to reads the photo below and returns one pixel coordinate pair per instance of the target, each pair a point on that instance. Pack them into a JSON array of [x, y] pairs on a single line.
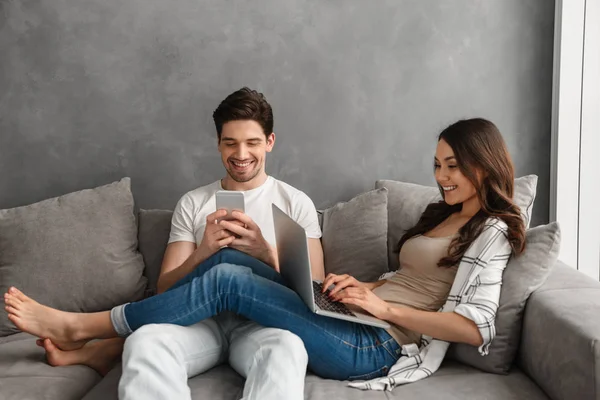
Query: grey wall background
[[94, 90]]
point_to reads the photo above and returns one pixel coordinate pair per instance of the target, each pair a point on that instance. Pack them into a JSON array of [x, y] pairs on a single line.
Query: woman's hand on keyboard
[[340, 282], [365, 299]]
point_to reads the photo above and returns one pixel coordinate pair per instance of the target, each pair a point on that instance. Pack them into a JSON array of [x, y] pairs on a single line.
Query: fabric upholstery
[[76, 252], [560, 346], [453, 381], [25, 375], [355, 236], [153, 235]]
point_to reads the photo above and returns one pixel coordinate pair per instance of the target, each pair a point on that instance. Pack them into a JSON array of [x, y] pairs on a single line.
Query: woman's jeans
[[233, 281]]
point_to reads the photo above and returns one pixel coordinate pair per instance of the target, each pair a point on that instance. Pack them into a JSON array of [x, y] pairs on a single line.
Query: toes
[[11, 301], [14, 319], [12, 311], [49, 346], [17, 293]]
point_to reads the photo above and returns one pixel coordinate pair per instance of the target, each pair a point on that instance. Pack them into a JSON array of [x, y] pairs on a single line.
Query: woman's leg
[[337, 349], [231, 256], [103, 354]]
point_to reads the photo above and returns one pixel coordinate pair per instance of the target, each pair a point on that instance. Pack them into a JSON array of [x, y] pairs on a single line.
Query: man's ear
[[270, 142]]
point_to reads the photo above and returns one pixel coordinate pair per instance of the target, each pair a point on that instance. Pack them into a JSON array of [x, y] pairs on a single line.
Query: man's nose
[[242, 152]]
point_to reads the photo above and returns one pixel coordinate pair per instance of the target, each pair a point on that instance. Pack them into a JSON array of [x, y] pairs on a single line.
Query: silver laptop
[[294, 264]]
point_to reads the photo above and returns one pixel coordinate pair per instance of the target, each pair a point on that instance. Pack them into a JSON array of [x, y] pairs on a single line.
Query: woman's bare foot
[[44, 322], [99, 355]]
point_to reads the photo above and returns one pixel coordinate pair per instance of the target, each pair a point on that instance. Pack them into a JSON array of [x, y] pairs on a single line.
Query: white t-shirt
[[189, 217]]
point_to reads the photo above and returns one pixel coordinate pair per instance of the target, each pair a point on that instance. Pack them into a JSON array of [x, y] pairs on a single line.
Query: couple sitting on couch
[[217, 303]]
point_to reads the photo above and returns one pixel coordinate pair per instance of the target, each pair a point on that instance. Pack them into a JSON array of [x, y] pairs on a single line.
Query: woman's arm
[[373, 285], [447, 326]]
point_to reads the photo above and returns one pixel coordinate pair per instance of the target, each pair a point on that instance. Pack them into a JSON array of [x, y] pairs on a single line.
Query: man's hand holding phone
[[215, 236], [250, 239]]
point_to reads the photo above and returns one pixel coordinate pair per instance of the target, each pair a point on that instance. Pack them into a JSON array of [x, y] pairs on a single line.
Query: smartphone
[[231, 201]]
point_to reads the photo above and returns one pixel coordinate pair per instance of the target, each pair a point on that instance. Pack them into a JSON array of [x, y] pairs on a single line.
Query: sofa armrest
[[560, 347]]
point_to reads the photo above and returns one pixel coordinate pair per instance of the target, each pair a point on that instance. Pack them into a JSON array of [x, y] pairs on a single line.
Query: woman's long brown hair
[[478, 146]]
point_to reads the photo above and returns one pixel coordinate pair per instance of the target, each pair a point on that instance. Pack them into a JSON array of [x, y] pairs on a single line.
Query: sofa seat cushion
[[451, 381], [25, 375]]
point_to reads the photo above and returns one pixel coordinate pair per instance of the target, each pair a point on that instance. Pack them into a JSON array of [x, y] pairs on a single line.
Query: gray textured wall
[[93, 90]]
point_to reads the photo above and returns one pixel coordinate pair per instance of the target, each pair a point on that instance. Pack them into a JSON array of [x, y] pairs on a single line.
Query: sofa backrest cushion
[[153, 235], [355, 236], [76, 252]]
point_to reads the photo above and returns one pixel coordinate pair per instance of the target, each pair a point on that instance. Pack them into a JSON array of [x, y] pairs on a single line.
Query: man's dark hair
[[244, 104]]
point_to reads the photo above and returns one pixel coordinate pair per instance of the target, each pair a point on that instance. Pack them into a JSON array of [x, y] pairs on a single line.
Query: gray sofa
[[559, 357]]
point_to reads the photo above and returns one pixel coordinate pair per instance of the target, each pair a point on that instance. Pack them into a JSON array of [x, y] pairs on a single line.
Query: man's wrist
[[269, 256]]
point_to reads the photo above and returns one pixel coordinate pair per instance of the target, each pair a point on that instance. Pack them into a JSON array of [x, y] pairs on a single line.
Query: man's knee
[[287, 346], [146, 340]]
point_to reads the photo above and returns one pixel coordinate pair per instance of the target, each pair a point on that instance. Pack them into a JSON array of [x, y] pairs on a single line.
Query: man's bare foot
[[93, 355], [44, 322]]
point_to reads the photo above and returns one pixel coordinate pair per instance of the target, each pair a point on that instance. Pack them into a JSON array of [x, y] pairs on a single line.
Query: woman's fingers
[[329, 280], [341, 285]]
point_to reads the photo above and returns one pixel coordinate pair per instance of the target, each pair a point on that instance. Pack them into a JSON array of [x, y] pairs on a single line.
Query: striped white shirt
[[474, 295]]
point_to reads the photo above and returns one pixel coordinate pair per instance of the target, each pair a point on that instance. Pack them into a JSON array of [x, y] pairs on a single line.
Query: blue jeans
[[234, 281]]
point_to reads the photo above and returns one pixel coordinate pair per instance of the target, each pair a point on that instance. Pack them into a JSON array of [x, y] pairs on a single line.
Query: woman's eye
[[452, 166], [436, 166]]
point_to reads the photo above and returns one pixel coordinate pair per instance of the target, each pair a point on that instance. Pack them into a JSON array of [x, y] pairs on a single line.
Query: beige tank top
[[419, 283]]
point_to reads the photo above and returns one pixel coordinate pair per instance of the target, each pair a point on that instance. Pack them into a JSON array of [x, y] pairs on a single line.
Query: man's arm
[[180, 259], [317, 263]]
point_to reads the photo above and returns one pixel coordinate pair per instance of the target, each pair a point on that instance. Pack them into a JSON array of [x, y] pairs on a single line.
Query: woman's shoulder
[[495, 223], [493, 229]]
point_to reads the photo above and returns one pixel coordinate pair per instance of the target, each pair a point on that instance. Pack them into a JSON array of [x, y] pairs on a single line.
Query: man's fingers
[[240, 243], [234, 228], [212, 218], [240, 216], [226, 241]]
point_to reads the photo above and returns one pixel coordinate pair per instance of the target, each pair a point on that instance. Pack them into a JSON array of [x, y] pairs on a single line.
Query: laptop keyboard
[[326, 304]]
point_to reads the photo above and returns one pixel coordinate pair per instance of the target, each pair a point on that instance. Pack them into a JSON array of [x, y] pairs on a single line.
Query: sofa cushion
[[560, 345], [153, 236], [355, 236], [25, 374], [451, 381], [407, 201], [77, 252], [522, 276]]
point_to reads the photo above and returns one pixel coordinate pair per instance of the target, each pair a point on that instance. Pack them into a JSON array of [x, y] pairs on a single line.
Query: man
[[158, 359]]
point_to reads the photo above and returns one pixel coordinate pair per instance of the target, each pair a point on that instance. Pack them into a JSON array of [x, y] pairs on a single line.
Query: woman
[[475, 175]]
